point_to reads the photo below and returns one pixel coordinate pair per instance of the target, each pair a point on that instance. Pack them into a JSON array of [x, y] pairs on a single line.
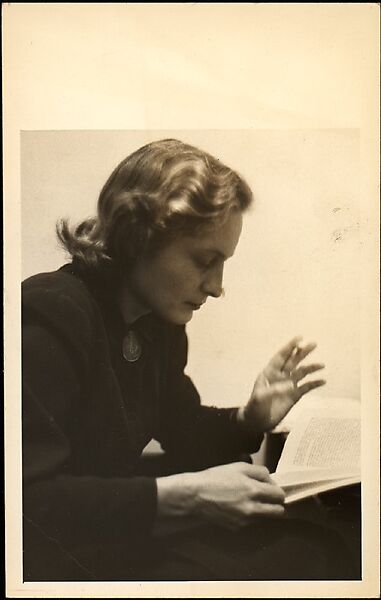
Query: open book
[[322, 449]]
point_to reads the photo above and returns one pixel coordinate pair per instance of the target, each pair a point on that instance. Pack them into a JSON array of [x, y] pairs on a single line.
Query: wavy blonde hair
[[163, 189]]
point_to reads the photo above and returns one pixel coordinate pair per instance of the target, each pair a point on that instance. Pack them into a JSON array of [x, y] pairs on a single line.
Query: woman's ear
[[131, 231]]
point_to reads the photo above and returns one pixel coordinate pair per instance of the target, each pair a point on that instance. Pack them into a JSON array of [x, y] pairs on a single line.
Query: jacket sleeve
[[68, 509], [198, 436]]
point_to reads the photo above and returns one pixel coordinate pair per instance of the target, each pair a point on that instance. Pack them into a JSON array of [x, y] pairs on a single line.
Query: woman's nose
[[213, 284]]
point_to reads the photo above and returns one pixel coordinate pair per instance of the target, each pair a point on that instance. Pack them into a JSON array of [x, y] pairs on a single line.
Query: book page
[[314, 403], [300, 491], [317, 442], [290, 479]]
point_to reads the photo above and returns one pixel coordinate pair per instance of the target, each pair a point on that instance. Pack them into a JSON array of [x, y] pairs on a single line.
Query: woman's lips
[[195, 306]]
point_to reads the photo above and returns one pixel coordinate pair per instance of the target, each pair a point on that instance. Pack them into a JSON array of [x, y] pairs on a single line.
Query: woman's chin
[[178, 317]]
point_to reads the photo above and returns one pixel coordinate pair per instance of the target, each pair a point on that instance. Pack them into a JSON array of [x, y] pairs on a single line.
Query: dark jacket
[[88, 414]]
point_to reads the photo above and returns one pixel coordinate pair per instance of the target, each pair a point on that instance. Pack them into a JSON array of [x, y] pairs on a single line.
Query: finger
[[310, 385], [279, 359], [271, 510], [259, 473], [297, 357], [250, 514], [268, 493], [301, 372]]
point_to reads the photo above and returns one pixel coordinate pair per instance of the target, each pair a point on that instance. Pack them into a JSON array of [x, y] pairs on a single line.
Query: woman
[[104, 352]]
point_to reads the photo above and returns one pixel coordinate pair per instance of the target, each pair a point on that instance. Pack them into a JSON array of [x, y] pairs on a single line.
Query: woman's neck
[[130, 306]]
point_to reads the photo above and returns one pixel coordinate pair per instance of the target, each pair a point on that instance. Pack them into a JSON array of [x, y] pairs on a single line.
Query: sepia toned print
[[285, 96], [104, 357]]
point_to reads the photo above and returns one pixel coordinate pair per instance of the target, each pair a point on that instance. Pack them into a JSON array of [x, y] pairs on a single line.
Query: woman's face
[[180, 277]]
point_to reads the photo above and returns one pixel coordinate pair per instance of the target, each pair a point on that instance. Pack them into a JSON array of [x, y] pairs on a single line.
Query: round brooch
[[132, 349]]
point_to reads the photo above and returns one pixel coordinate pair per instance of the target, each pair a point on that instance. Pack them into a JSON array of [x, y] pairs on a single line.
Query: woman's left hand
[[276, 389]]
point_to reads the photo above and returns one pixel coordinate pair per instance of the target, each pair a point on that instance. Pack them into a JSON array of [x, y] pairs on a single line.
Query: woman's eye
[[204, 263]]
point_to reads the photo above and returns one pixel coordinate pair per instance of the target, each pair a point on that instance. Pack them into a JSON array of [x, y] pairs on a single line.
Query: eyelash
[[205, 264]]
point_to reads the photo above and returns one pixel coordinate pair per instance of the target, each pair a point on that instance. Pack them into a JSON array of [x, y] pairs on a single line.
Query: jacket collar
[[102, 284]]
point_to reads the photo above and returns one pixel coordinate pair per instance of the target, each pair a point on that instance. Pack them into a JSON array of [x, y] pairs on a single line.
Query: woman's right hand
[[231, 496]]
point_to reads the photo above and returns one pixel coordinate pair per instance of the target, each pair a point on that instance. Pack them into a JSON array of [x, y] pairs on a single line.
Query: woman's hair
[[162, 190]]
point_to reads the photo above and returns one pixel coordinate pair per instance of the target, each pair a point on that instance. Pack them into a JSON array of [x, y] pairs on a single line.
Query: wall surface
[[296, 268]]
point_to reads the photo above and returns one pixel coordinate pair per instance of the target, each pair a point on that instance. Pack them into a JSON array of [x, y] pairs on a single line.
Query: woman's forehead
[[221, 238]]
